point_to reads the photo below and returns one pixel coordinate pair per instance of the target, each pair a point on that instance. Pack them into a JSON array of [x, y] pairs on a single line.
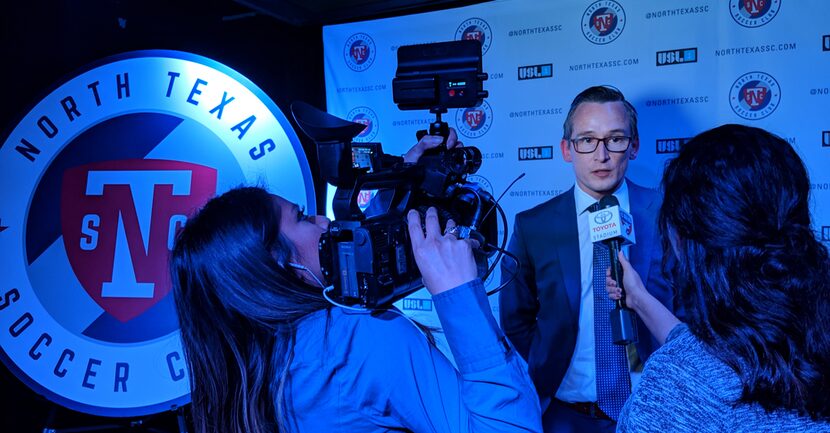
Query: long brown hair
[[238, 304]]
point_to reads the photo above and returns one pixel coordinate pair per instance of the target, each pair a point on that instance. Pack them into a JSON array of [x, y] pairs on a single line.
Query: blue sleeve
[[413, 385]]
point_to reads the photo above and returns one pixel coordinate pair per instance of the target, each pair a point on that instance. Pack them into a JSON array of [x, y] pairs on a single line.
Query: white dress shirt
[[580, 382]]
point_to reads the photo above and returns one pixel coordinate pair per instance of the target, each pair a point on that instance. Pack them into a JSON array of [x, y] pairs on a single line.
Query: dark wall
[[43, 41]]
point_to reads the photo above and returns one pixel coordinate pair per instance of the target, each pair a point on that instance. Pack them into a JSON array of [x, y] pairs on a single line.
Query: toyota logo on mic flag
[[603, 217]]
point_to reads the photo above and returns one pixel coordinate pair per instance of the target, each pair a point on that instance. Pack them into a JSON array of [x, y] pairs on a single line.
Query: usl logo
[[825, 43], [536, 71], [670, 145], [365, 116], [474, 122], [754, 13], [674, 57], [417, 304], [825, 233], [359, 52], [603, 22], [754, 95], [535, 153], [825, 138], [97, 180], [475, 29]]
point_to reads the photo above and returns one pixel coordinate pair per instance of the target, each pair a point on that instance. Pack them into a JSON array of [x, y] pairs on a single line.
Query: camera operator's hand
[[430, 142], [445, 261]]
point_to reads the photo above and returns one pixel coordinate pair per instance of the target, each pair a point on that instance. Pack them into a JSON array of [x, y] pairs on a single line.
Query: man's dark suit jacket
[[539, 309]]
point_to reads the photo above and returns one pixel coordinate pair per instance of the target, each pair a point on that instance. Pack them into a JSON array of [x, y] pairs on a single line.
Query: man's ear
[[565, 147], [635, 148]]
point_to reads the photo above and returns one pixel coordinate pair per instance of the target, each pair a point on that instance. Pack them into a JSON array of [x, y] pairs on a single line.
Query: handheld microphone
[[615, 228]]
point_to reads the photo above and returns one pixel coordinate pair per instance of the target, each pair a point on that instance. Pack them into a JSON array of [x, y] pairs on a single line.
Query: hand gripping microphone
[[615, 228]]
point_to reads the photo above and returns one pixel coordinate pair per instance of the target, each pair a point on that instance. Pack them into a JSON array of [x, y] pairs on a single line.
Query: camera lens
[[463, 160]]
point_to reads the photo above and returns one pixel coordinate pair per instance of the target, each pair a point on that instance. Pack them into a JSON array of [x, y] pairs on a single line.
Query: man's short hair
[[601, 94]]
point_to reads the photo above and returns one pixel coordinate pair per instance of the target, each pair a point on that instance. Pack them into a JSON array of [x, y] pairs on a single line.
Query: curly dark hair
[[752, 276]]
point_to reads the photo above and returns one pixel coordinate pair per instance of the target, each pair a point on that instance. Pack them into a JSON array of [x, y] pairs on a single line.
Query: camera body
[[367, 255]]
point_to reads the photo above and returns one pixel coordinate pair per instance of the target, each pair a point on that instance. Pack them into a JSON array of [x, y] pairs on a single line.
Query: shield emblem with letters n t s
[[119, 220], [474, 117]]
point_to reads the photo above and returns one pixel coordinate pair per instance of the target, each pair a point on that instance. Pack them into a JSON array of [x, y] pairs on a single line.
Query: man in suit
[[548, 309]]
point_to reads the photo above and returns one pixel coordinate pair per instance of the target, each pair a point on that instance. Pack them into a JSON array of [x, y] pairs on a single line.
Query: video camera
[[367, 256]]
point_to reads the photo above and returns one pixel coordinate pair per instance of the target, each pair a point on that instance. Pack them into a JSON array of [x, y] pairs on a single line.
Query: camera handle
[[438, 127]]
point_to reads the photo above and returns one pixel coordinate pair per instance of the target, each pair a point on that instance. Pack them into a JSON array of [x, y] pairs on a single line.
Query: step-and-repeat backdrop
[[687, 66]]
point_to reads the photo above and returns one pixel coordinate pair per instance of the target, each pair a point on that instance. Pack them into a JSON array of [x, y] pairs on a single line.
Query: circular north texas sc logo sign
[[359, 52], [754, 13], [754, 95], [474, 122], [475, 29], [97, 179], [603, 22], [365, 116]]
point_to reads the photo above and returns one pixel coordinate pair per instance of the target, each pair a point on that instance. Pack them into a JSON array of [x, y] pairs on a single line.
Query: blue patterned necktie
[[613, 379]]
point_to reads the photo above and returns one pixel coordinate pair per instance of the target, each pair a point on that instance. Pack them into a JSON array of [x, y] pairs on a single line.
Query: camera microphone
[[501, 249]]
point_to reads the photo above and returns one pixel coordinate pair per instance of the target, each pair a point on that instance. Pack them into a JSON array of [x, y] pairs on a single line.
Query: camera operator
[[267, 352]]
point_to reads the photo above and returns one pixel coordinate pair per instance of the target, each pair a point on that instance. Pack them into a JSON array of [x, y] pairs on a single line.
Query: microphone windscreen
[[608, 201]]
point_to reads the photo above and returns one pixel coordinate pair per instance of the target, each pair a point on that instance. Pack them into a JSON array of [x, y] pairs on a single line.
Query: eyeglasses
[[617, 143]]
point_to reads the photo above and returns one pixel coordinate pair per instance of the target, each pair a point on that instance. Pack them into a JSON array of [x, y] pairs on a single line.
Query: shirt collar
[[584, 201]]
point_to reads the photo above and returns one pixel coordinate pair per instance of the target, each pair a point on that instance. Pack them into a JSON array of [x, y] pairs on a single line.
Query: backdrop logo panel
[[474, 122], [476, 29], [754, 13], [670, 145], [359, 52], [754, 95], [536, 71], [527, 112], [102, 174], [535, 153], [365, 116], [674, 57], [417, 304], [603, 22]]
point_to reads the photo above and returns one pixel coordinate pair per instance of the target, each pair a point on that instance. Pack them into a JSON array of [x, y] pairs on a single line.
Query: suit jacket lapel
[[644, 221], [566, 229]]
